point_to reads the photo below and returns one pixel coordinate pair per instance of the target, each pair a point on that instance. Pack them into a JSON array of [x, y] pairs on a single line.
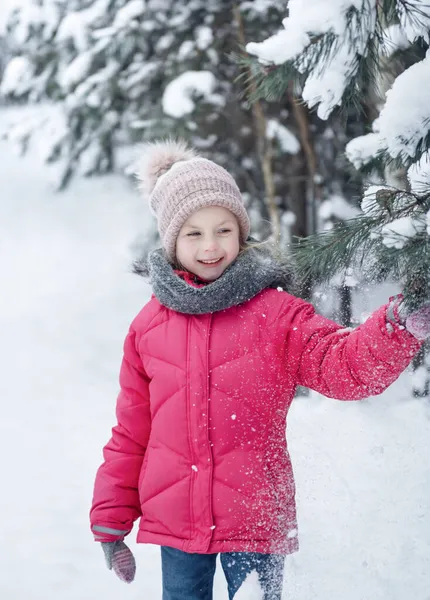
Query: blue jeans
[[189, 576]]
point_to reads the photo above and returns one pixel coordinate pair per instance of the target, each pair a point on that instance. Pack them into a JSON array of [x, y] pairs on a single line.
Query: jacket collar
[[190, 278]]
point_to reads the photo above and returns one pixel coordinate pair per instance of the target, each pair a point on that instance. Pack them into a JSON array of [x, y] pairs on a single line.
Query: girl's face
[[208, 242]]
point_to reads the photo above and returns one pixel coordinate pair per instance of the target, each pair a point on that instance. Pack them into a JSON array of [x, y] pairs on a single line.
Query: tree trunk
[[264, 145], [345, 305]]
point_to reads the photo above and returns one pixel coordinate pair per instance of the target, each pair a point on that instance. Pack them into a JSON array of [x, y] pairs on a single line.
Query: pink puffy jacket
[[199, 452]]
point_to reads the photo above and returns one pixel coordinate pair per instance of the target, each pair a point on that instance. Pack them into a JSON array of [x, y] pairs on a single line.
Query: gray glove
[[120, 558], [417, 321]]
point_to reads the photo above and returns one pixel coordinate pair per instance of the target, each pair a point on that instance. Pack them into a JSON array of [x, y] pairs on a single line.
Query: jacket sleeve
[[348, 364], [116, 502]]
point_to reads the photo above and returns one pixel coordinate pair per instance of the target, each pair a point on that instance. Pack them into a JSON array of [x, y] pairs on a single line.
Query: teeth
[[210, 261]]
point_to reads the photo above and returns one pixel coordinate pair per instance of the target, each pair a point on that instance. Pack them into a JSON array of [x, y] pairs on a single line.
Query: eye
[[224, 230], [193, 234]]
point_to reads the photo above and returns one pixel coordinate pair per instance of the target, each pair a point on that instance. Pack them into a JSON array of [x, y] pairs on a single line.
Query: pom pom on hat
[[177, 182], [157, 158]]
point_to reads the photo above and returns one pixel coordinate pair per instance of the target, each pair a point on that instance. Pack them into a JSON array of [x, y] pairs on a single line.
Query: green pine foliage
[[353, 246], [384, 47]]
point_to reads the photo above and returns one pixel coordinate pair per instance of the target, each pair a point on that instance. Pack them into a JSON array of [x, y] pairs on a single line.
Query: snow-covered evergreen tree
[[31, 30], [119, 72], [336, 52], [338, 55], [126, 71]]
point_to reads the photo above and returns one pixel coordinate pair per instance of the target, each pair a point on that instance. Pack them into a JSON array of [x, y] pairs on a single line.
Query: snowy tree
[[31, 30], [332, 59], [125, 71], [55, 59], [336, 55]]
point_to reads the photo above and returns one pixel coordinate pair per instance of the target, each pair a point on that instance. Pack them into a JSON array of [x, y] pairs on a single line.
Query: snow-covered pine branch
[[338, 54], [332, 44]]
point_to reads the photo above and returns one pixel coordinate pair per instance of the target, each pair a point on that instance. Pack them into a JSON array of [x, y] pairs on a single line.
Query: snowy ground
[[362, 469]]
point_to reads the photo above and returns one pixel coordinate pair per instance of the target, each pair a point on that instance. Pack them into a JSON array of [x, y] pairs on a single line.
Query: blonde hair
[[274, 249]]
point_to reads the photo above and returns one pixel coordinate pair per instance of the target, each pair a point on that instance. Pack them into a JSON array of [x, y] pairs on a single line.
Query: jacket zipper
[[190, 441], [208, 400]]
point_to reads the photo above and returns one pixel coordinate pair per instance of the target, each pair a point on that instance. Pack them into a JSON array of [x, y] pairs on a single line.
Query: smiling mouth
[[211, 262]]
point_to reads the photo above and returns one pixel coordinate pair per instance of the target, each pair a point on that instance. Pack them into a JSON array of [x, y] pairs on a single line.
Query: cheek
[[185, 252], [234, 248], [181, 251]]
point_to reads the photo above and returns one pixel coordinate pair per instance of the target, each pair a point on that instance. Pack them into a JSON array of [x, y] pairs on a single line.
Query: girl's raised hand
[[418, 322]]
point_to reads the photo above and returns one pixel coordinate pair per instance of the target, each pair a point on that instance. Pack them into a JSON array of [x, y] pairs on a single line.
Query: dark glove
[[120, 558]]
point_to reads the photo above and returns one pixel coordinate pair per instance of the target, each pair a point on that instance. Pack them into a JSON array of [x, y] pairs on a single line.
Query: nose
[[211, 244]]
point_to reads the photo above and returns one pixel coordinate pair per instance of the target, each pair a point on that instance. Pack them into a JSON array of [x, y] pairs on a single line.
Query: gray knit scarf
[[252, 271]]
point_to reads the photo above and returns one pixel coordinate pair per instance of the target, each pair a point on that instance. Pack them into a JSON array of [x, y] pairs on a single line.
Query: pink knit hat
[[178, 182]]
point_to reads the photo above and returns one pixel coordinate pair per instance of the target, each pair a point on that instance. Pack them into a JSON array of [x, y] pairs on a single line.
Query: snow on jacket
[[199, 452]]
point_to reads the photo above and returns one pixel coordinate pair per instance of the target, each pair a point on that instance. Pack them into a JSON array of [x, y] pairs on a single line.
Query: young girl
[[209, 371]]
